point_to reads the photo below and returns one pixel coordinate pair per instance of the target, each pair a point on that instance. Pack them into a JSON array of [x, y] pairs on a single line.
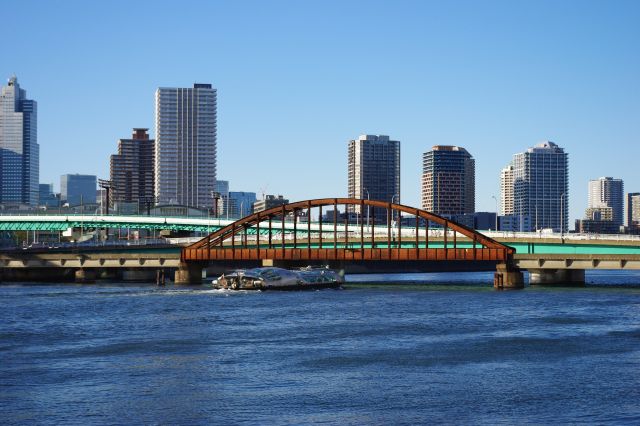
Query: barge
[[271, 278]]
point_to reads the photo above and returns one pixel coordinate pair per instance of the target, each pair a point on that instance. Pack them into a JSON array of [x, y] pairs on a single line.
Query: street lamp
[[227, 204], [215, 196], [106, 185], [368, 198], [392, 198], [562, 215], [496, 200], [147, 201]]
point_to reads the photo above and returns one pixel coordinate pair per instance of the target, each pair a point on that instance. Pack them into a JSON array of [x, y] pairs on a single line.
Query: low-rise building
[[268, 202]]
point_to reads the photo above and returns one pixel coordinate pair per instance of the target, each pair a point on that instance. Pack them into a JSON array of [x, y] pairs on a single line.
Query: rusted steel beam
[[282, 236], [364, 254], [426, 234], [320, 216], [258, 234], [295, 228], [373, 228], [388, 225], [335, 223], [346, 227], [233, 236], [309, 225], [417, 232], [446, 229], [362, 224], [399, 222], [455, 240]]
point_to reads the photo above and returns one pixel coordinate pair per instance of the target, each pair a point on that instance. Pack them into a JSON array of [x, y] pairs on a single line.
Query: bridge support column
[[508, 277], [85, 276], [188, 273], [558, 277]]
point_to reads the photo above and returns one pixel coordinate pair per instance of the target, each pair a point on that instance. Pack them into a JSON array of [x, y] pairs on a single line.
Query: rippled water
[[436, 348]]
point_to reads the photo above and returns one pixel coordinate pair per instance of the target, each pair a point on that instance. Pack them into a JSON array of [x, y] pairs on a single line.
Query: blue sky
[[297, 79]]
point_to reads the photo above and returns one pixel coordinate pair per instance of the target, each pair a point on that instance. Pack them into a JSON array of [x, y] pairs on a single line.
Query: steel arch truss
[[278, 234]]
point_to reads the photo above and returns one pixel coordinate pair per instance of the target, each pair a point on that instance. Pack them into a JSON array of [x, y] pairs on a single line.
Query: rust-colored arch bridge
[[287, 235]]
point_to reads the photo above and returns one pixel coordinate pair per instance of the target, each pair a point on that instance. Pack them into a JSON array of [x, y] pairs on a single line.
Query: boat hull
[[279, 279]]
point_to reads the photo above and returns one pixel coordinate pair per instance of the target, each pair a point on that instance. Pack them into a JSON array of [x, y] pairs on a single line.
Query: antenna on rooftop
[[263, 190]]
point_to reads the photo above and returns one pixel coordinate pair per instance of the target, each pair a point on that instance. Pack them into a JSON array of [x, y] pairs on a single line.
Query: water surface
[[430, 348]]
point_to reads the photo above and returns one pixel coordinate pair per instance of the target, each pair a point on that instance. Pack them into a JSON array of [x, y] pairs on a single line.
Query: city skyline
[[495, 85]]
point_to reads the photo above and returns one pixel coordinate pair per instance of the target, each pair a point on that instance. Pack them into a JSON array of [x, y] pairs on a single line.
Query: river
[[410, 349]]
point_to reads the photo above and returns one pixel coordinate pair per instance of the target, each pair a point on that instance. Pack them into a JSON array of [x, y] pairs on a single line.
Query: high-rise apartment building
[[185, 161], [541, 187], [633, 210], [132, 170], [19, 150], [448, 181], [608, 192], [374, 171], [78, 189], [506, 191]]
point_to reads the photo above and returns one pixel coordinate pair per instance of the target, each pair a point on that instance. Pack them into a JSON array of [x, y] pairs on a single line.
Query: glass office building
[[19, 150], [78, 189]]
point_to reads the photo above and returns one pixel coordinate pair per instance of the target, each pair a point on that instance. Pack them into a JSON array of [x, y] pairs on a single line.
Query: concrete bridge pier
[[85, 276], [559, 277], [508, 277], [188, 274]]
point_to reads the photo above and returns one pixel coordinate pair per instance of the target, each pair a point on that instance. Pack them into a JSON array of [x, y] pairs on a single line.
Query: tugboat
[[272, 278]]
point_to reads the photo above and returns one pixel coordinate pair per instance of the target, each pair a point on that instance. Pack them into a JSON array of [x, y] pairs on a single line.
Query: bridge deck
[[577, 261], [341, 254]]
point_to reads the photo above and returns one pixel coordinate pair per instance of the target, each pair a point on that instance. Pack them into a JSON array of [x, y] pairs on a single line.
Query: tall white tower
[[541, 187], [506, 190], [185, 159]]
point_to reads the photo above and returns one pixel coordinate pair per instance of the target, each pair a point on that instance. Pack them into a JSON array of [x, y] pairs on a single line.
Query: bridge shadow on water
[[483, 280], [426, 281]]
